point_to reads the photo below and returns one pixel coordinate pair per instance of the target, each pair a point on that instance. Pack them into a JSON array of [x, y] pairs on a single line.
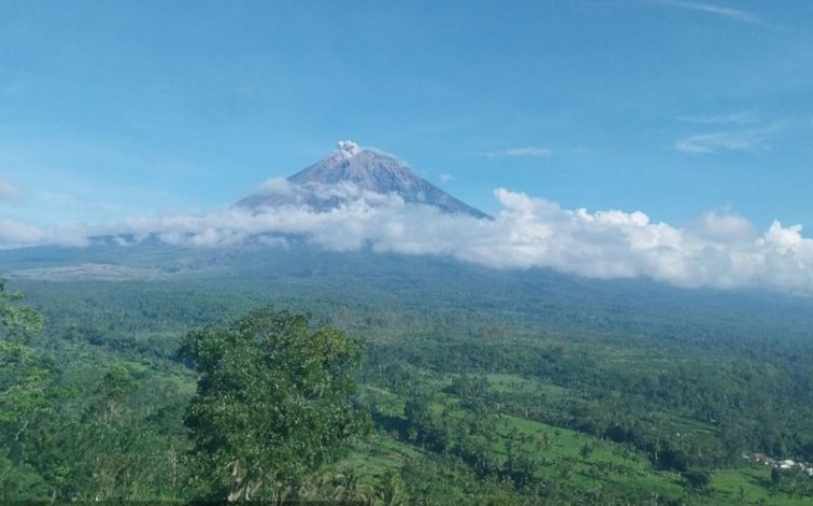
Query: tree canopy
[[23, 383], [273, 402]]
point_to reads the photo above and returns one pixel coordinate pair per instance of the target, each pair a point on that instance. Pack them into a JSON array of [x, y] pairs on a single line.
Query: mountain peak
[[354, 173]]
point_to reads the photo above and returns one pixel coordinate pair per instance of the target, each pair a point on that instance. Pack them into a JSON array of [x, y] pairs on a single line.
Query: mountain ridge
[[352, 173]]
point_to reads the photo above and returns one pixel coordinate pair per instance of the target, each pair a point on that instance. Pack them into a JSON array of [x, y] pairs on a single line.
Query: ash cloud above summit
[[360, 197]]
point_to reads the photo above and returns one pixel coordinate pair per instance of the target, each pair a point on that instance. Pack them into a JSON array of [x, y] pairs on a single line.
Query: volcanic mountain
[[352, 173]]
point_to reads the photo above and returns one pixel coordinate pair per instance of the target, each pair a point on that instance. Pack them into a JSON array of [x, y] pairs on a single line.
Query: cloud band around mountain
[[719, 250]]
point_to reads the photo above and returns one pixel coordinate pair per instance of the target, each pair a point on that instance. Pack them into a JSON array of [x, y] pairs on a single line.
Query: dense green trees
[[470, 405], [23, 379], [24, 384], [272, 403]]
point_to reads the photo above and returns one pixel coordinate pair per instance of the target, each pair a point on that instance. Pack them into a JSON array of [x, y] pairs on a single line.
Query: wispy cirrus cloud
[[748, 141], [446, 177], [717, 10], [736, 118], [715, 142], [527, 151]]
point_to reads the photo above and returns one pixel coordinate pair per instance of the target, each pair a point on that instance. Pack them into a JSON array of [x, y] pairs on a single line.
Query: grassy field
[[579, 460]]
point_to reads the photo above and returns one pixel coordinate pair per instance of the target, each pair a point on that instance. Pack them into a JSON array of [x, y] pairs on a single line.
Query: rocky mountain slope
[[352, 173]]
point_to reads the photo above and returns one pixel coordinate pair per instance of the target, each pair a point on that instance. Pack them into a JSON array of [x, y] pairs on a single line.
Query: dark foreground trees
[[273, 402]]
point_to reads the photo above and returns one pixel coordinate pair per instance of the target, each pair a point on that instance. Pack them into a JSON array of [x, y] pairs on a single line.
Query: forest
[[218, 390]]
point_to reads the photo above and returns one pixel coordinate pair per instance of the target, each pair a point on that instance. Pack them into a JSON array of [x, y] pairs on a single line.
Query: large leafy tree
[[24, 380], [17, 323], [273, 402]]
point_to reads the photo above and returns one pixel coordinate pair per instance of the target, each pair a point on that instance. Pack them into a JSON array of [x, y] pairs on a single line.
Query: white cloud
[[719, 250], [717, 10], [13, 233], [16, 234], [277, 185], [743, 141], [9, 192], [725, 227], [531, 151], [736, 118], [446, 177]]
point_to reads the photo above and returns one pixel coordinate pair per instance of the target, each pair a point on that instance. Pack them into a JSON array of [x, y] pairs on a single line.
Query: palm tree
[[391, 490], [350, 489]]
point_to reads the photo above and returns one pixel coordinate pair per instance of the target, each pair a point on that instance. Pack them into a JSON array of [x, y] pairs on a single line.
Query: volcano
[[353, 173]]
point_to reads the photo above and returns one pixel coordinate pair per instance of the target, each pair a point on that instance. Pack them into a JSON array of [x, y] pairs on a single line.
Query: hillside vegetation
[[481, 391]]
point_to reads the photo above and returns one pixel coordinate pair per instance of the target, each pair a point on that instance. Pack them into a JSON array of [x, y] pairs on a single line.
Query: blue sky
[[676, 108]]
